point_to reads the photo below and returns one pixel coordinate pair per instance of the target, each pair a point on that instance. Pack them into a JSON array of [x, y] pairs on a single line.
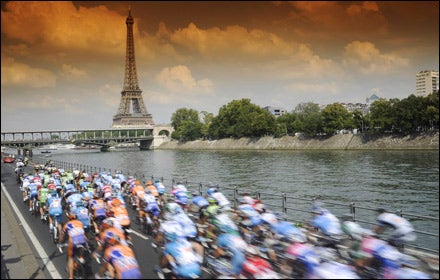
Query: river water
[[403, 179]]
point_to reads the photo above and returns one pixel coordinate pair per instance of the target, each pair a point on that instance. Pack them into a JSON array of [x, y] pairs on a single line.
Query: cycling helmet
[[246, 200], [210, 191], [212, 200], [107, 223], [173, 208], [112, 238], [316, 209]]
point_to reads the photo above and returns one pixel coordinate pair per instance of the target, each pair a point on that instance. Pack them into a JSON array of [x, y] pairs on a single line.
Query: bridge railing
[[293, 208]]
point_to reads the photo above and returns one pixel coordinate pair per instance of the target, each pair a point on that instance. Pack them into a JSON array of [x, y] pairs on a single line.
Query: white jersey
[[171, 227], [402, 228], [223, 202]]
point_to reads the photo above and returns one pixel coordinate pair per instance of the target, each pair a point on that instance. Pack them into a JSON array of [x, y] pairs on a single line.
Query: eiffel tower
[[132, 111]]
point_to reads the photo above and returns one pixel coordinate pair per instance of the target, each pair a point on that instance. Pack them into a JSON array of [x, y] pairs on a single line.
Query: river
[[402, 179]]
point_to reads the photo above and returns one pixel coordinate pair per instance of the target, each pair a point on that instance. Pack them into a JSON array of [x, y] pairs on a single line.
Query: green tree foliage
[[186, 124], [308, 121], [360, 120], [407, 114], [241, 118], [412, 114], [207, 120], [336, 117], [284, 124], [430, 116], [381, 115]]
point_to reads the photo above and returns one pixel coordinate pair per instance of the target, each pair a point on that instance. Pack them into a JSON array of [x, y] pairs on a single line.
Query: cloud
[[230, 43], [72, 73], [178, 79], [332, 19], [60, 26], [20, 74], [365, 58], [314, 88]]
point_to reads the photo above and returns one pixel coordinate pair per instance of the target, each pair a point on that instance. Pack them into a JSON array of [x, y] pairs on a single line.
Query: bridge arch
[[163, 130]]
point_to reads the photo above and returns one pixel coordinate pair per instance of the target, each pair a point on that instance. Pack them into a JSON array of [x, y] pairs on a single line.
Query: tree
[[241, 118], [207, 120], [360, 121], [186, 124], [381, 115], [308, 120], [336, 117], [285, 124]]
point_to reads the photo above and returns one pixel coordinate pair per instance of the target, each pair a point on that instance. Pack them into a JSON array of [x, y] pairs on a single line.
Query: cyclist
[[82, 214], [325, 221], [121, 215], [150, 207], [152, 188], [74, 230], [180, 194], [42, 196], [73, 200], [161, 190], [223, 202], [55, 209], [24, 186], [230, 243], [33, 193], [178, 253], [402, 230], [119, 260], [97, 208]]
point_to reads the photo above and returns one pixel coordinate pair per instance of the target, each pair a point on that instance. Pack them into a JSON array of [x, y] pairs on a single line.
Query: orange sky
[[63, 62]]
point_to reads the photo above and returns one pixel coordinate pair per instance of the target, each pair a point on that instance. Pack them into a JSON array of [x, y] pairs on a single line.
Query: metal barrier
[[280, 203]]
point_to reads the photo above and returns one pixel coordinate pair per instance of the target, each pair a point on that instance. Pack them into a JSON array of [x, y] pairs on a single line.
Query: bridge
[[104, 138]]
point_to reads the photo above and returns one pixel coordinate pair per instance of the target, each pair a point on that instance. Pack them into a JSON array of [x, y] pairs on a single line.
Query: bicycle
[[35, 211], [55, 234], [79, 260]]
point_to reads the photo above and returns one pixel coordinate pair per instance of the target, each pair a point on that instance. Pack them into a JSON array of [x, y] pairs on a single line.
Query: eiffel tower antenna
[[132, 111]]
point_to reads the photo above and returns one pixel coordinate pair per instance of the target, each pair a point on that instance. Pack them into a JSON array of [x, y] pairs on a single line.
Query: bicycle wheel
[[78, 270]]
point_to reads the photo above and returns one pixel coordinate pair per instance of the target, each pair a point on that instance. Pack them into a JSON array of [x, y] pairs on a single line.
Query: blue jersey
[[327, 223], [287, 230], [33, 189], [74, 200], [187, 261], [200, 201], [54, 204], [236, 245], [181, 197], [189, 228], [82, 214], [160, 187]]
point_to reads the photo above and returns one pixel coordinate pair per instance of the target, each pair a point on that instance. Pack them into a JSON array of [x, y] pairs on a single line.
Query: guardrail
[[294, 209]]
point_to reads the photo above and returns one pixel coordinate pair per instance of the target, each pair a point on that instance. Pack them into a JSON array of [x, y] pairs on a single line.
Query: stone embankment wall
[[336, 142]]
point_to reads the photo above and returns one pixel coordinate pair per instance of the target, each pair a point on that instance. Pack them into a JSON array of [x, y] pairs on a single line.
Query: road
[[46, 251]]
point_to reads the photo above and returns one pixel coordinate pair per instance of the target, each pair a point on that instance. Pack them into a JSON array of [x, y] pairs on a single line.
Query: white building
[[276, 111], [426, 82]]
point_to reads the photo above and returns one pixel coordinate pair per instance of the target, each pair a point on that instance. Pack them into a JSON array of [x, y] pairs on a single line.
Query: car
[[8, 159]]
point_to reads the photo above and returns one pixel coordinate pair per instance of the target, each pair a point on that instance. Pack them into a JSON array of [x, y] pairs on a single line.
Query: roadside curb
[[17, 254]]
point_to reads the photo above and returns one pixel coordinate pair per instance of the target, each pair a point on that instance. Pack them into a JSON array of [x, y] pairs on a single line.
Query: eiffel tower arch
[[132, 112]]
